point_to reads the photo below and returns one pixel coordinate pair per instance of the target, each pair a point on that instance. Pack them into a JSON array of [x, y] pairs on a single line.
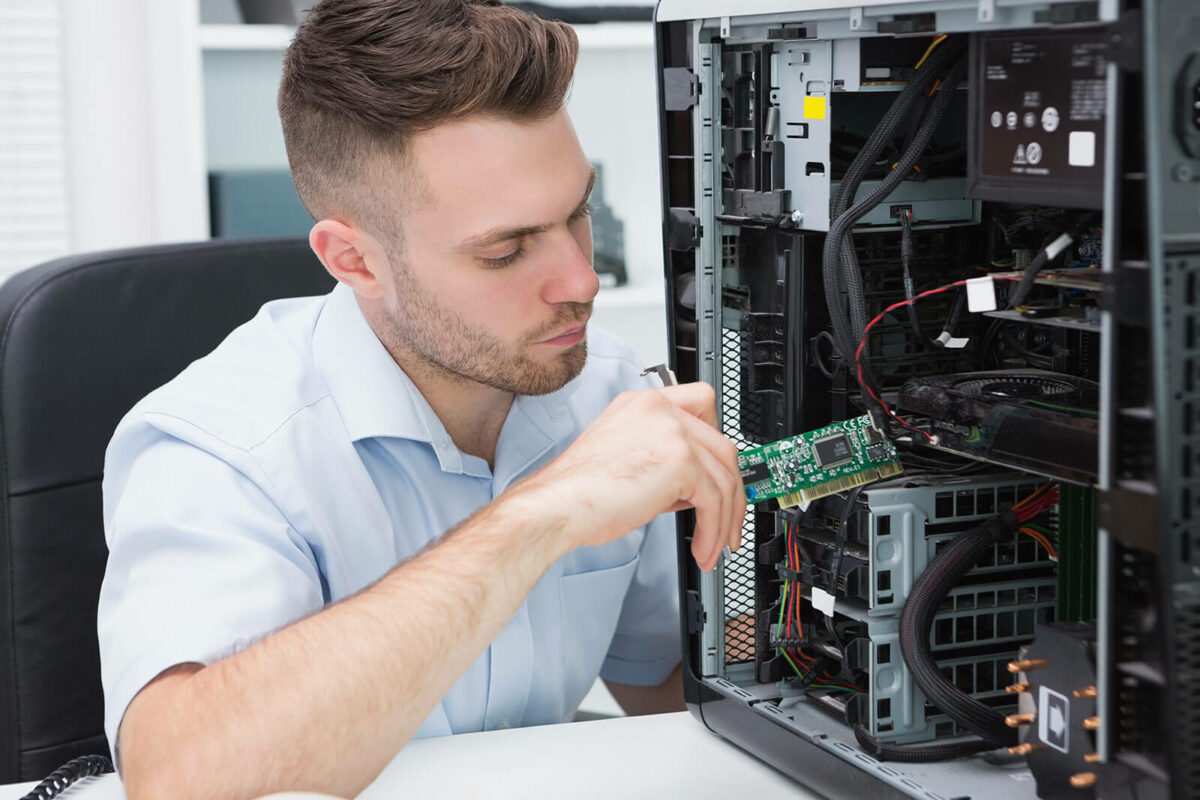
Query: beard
[[445, 342]]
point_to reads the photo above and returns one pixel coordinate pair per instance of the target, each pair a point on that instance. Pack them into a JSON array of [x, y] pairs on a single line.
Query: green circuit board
[[818, 463]]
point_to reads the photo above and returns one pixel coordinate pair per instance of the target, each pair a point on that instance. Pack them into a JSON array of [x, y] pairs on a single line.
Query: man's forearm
[[325, 703]]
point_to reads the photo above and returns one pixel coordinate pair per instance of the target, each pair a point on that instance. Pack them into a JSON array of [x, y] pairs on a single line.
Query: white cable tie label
[[981, 294], [1057, 246], [950, 343], [822, 601]]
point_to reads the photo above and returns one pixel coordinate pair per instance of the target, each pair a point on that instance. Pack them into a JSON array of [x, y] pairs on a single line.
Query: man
[[408, 508]]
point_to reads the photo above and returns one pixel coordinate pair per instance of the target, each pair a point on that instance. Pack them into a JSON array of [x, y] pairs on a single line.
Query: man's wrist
[[545, 526]]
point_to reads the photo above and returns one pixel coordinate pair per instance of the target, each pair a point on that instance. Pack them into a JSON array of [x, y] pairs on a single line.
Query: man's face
[[494, 281]]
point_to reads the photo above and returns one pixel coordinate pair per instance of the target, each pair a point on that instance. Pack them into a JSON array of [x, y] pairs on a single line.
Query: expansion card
[[818, 463]]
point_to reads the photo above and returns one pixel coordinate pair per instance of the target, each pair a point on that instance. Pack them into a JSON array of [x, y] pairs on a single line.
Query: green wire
[[1038, 528], [782, 606], [799, 674]]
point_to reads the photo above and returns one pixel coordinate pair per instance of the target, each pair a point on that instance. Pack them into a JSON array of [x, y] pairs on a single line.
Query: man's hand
[[650, 452]]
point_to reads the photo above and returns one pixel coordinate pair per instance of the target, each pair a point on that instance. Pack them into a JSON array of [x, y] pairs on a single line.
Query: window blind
[[34, 214]]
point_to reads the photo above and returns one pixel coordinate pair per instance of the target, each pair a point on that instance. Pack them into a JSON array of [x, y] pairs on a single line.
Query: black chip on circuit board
[[755, 473], [833, 451]]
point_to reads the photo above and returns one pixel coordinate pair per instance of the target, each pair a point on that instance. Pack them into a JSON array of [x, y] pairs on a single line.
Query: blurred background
[[131, 122]]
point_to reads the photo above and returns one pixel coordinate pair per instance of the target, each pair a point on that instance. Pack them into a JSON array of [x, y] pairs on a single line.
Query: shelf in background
[[603, 36], [246, 37]]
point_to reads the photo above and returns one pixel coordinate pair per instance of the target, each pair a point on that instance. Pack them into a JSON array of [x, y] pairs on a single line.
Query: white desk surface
[[669, 755]]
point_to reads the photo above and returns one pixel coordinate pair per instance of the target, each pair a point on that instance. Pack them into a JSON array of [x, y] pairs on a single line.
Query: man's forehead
[[485, 171]]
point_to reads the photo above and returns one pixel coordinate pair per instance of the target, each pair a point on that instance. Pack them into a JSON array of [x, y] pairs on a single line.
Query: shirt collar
[[372, 393], [377, 399]]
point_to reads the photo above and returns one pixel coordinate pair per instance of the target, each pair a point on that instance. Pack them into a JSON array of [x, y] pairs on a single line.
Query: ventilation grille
[[739, 566]]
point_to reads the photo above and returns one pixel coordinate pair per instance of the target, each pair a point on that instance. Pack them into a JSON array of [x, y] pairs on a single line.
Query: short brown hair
[[362, 76]]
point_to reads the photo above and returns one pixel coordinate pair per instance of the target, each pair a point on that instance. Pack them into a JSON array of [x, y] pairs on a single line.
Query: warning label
[[1040, 94]]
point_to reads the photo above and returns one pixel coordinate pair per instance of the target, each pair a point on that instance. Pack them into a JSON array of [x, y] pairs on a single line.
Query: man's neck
[[472, 413]]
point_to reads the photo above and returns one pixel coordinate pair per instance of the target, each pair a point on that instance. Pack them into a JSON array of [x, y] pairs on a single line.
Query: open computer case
[[968, 233]]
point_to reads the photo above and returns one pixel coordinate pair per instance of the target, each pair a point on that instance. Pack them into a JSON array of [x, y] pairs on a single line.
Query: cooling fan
[[1037, 420]]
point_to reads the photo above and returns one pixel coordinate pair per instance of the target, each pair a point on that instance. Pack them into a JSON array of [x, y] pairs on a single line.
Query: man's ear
[[351, 255]]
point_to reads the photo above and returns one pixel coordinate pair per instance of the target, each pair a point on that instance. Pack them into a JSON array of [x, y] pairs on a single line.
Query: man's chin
[[561, 370]]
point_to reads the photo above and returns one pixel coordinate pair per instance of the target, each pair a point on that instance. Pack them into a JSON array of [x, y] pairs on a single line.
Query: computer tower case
[[978, 223]]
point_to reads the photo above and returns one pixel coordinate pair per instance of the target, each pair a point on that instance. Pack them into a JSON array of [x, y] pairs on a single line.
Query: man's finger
[[721, 500], [725, 454], [697, 399]]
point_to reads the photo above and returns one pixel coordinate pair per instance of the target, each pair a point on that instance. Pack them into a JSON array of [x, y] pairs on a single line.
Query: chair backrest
[[81, 340]]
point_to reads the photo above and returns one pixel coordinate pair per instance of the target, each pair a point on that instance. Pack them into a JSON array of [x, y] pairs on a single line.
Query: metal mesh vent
[[739, 567], [1187, 701]]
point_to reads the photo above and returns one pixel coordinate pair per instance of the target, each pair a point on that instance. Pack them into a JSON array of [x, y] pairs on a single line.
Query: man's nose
[[572, 278]]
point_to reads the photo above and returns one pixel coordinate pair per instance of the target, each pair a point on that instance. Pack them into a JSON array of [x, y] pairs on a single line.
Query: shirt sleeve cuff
[[639, 673]]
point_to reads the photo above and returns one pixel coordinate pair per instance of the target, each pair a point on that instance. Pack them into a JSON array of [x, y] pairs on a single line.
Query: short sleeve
[[201, 562], [646, 645]]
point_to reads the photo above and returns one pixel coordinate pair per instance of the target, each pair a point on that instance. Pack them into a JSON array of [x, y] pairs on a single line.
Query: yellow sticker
[[814, 108]]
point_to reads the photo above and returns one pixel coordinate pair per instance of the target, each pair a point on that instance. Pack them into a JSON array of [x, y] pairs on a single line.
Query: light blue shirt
[[297, 463]]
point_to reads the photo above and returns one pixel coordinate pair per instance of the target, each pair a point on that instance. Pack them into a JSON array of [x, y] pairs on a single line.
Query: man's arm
[[325, 703], [638, 700]]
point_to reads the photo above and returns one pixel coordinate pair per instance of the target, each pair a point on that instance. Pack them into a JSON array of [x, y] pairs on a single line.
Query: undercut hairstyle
[[362, 77]]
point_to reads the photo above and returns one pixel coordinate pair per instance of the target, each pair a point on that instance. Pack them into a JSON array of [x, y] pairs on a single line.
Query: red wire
[[867, 330], [788, 561], [796, 594]]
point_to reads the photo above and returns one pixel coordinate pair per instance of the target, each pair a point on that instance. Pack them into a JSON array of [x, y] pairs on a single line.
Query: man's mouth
[[567, 337]]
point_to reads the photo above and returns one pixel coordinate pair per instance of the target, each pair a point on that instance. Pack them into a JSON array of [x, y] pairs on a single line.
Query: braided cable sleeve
[[836, 279], [916, 622], [839, 232], [917, 753]]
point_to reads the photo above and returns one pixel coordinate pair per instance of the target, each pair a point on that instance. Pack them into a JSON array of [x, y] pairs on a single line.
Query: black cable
[[836, 287], [835, 568], [910, 290], [916, 621], [906, 753], [960, 301], [840, 230], [1047, 254], [819, 360], [840, 538], [839, 259], [917, 753], [74, 770]]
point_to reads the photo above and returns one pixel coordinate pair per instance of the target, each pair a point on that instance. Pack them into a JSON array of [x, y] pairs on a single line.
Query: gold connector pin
[[1026, 665], [1092, 723], [1021, 749], [1017, 687], [1017, 720], [1087, 691], [1083, 780], [1092, 758]]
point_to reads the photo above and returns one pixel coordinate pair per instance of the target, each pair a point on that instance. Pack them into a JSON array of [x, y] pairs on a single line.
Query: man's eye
[[584, 211], [504, 261]]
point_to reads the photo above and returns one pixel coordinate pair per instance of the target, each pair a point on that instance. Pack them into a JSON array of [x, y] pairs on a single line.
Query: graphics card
[[1037, 420]]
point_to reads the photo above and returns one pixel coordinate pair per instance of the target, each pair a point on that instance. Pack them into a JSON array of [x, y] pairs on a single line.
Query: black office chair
[[83, 339]]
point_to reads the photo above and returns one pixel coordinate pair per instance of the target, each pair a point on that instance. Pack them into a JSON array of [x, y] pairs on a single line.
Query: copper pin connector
[[1087, 691], [1017, 720], [1092, 723], [1092, 758], [1026, 665], [1021, 749], [1083, 780], [1017, 687]]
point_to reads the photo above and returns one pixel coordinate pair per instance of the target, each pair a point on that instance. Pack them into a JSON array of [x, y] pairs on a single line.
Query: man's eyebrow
[[488, 238]]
